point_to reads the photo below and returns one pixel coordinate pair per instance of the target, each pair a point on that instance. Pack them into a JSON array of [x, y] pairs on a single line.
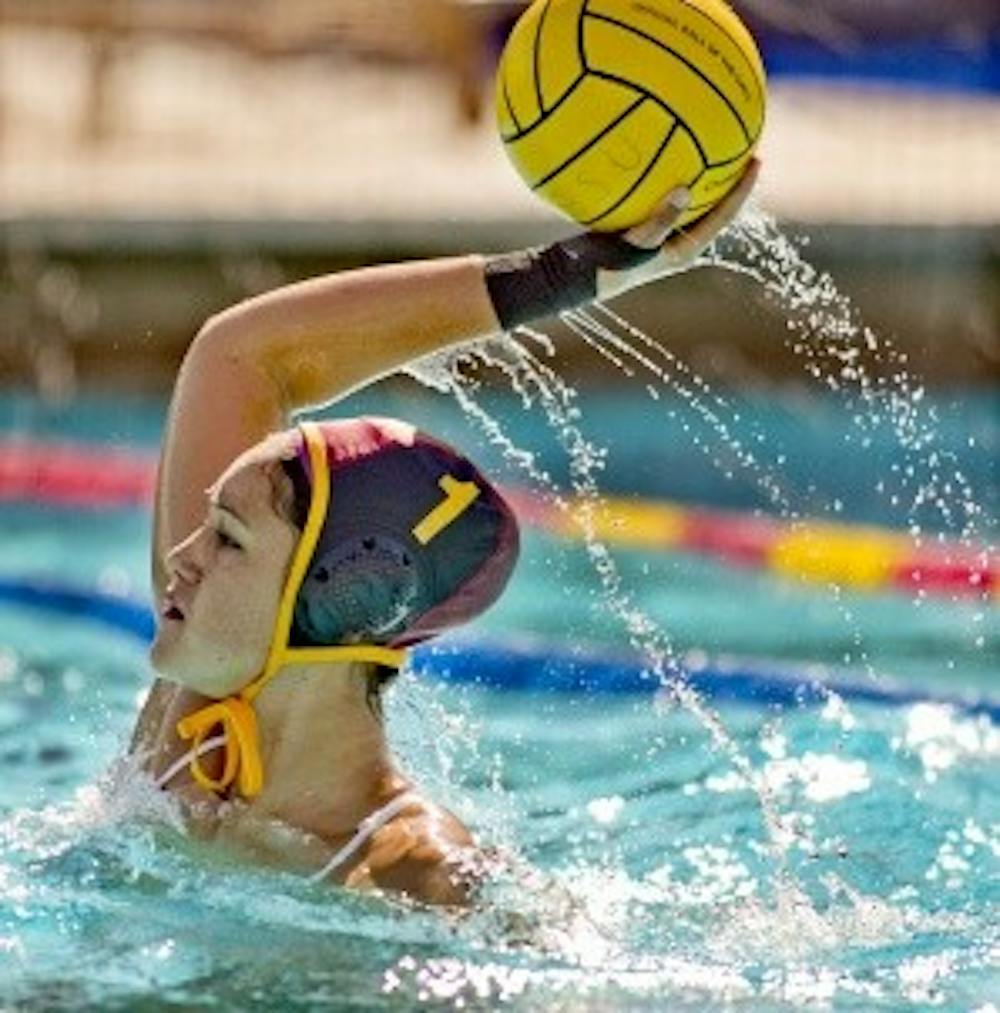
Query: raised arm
[[254, 364]]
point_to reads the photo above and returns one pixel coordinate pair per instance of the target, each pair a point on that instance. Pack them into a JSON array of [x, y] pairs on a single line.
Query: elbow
[[225, 358], [219, 347], [213, 337]]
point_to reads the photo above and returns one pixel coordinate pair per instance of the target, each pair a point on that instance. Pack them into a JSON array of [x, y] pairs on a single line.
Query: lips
[[171, 610]]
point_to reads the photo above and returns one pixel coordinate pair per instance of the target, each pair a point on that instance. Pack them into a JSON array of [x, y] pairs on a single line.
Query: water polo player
[[293, 567]]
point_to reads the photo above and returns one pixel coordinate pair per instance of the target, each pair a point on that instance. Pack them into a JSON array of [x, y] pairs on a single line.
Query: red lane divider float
[[75, 474], [863, 557], [849, 555]]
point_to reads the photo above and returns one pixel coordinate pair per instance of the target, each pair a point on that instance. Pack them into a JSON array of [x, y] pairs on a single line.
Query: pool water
[[636, 868]]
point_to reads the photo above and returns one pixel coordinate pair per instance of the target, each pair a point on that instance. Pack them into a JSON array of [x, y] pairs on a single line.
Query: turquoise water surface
[[639, 873]]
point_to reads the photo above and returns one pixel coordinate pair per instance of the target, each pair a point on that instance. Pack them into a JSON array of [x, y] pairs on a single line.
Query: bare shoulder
[[425, 853]]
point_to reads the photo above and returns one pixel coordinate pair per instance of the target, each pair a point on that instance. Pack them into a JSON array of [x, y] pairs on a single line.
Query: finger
[[702, 232], [651, 233]]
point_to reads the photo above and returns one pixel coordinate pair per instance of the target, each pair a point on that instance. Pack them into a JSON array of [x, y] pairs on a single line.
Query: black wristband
[[535, 283]]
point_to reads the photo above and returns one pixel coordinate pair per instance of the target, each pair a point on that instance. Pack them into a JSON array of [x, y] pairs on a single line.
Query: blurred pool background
[[190, 154]]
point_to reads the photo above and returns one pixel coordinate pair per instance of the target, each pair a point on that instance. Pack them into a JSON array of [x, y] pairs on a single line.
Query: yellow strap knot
[[242, 761]]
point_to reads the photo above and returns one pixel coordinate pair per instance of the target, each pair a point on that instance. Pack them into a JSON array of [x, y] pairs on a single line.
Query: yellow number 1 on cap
[[458, 497]]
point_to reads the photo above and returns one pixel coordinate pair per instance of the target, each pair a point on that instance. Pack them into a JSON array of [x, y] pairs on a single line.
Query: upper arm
[[222, 404], [427, 856], [300, 345], [426, 874]]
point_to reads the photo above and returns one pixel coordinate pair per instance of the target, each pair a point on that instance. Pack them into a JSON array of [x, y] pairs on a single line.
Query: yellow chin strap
[[235, 713]]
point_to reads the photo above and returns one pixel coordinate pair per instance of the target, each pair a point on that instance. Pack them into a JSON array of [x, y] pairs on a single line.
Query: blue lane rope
[[123, 614], [532, 667]]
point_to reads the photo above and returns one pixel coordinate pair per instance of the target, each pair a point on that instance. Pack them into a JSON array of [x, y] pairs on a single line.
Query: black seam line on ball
[[700, 207], [581, 151], [725, 179], [736, 44], [604, 76], [638, 182], [555, 105], [506, 97], [729, 161], [534, 57], [581, 52], [677, 56]]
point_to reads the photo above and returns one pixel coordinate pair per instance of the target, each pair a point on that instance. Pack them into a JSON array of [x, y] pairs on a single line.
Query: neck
[[326, 760]]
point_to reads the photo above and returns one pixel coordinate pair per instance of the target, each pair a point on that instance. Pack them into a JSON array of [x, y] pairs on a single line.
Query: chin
[[202, 675], [159, 655], [196, 683]]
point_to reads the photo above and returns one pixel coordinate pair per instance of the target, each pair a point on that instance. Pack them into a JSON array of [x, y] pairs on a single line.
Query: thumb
[[651, 233]]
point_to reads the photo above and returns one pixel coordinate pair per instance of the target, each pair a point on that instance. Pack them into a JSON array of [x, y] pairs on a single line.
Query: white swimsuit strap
[[366, 828], [370, 825], [175, 768]]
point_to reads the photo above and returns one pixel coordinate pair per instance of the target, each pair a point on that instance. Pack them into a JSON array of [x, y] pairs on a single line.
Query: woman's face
[[218, 612]]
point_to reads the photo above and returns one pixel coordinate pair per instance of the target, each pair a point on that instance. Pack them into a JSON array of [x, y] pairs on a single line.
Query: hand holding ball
[[606, 106]]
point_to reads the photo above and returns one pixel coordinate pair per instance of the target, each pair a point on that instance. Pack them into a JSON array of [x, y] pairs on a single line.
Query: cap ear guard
[[364, 590]]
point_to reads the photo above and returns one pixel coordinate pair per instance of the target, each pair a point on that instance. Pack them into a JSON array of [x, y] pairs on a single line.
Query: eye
[[225, 540]]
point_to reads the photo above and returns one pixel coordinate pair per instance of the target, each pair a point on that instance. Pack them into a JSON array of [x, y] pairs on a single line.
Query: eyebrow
[[216, 501]]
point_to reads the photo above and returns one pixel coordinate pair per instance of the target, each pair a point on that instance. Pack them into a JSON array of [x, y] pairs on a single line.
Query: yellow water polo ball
[[605, 106]]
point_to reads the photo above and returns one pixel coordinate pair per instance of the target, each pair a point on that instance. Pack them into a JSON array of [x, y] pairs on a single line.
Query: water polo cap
[[403, 538]]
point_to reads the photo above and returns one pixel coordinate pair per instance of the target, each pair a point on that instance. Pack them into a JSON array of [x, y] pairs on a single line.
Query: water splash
[[836, 350], [871, 374], [534, 381], [672, 374]]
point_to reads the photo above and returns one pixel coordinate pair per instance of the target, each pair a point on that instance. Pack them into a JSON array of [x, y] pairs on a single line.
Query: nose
[[184, 560]]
